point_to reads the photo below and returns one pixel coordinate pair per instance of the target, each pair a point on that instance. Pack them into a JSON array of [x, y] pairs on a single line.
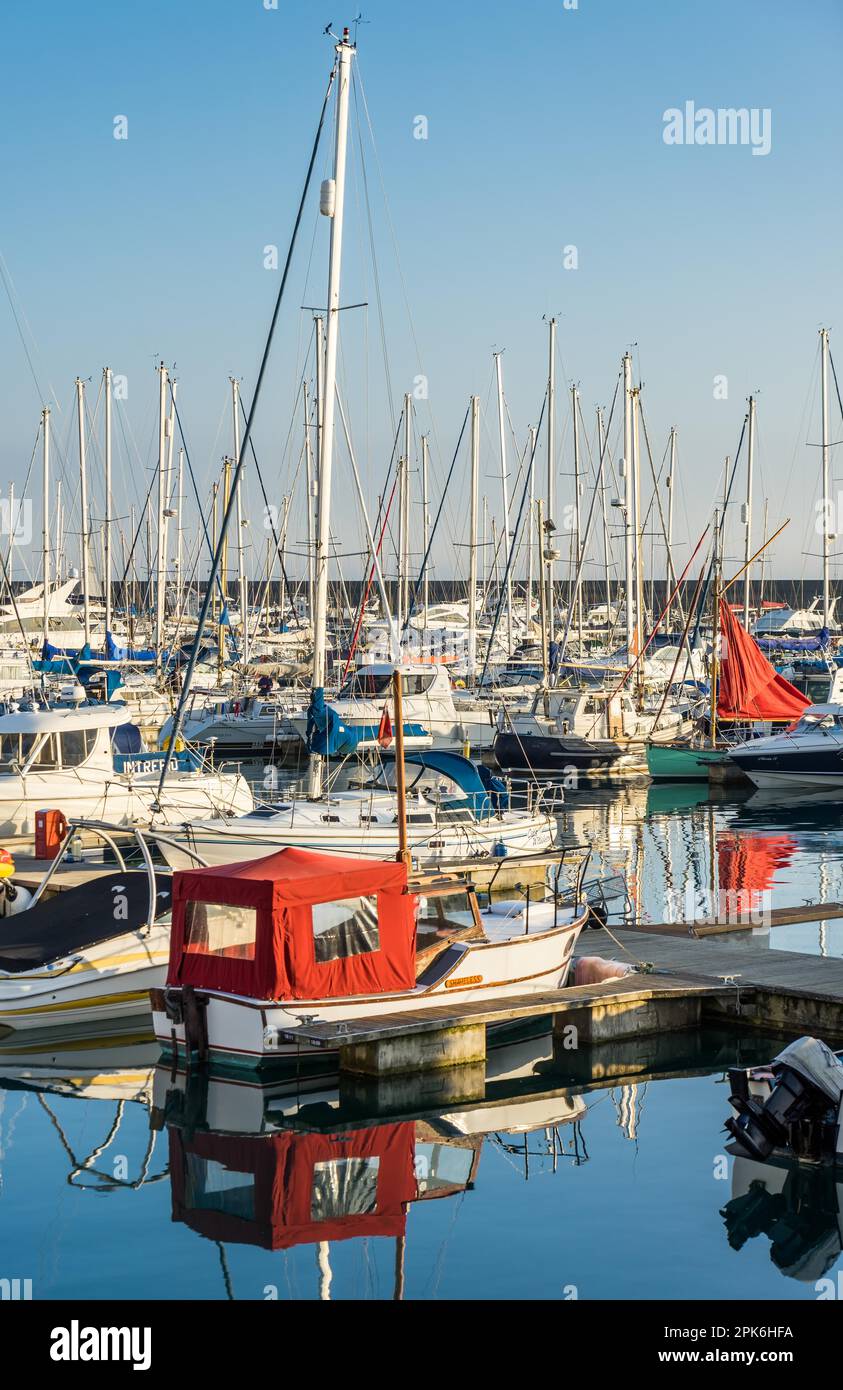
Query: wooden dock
[[681, 983]]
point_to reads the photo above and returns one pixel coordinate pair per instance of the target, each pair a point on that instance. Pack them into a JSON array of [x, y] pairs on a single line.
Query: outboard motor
[[801, 1110]]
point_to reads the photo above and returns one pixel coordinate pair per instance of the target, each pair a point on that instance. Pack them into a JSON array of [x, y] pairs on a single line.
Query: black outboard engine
[[796, 1105]]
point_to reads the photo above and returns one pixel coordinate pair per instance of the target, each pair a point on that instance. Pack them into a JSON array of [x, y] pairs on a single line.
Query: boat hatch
[[108, 905], [294, 925]]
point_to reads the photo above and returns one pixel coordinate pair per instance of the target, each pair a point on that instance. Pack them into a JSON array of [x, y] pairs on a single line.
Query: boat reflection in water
[[262, 1166]]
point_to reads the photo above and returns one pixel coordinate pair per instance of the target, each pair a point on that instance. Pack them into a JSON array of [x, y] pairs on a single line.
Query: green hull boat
[[680, 762]]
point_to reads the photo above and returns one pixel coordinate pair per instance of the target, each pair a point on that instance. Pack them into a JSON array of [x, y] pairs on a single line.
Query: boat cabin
[[49, 740], [305, 925], [294, 925]]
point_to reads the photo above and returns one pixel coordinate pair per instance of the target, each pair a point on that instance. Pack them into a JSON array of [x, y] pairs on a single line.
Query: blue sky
[[544, 131]]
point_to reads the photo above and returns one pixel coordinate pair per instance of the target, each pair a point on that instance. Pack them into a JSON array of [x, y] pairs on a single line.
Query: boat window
[[344, 1187], [43, 755], [348, 927], [77, 745], [366, 685], [419, 818], [417, 683], [446, 911], [220, 929]]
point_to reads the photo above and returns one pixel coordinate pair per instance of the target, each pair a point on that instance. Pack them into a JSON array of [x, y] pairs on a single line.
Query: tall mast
[[225, 619], [472, 539], [826, 498], [107, 529], [241, 557], [628, 500], [601, 452], [332, 204], [160, 557], [505, 497], [532, 448], [639, 573], [747, 519], [425, 526], [45, 526], [577, 521], [309, 478], [551, 454], [671, 476], [179, 484], [83, 503], [404, 519]]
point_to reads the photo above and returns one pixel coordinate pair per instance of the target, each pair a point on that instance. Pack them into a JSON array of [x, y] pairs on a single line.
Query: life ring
[[179, 746]]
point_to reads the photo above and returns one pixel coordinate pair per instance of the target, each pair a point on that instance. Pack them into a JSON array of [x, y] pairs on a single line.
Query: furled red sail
[[750, 688]]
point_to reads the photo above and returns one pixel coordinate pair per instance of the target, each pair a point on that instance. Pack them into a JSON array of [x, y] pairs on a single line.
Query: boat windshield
[[366, 685], [810, 722]]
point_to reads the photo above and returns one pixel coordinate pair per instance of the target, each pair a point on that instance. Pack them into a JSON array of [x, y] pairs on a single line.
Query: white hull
[[248, 1030], [122, 800], [232, 842], [108, 981]]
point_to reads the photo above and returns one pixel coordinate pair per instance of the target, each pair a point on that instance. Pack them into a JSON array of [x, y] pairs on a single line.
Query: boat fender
[[593, 970], [13, 898], [7, 864]]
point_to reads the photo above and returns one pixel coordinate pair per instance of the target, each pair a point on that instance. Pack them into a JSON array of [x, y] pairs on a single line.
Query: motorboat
[[90, 952], [259, 950], [463, 813], [809, 753], [591, 731], [89, 760], [238, 724], [427, 699]]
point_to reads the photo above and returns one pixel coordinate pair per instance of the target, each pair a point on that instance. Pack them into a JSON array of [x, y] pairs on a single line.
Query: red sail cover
[[280, 955], [750, 688]]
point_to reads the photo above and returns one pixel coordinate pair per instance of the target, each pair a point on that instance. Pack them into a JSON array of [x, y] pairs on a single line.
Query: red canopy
[[268, 948], [750, 688], [281, 1190]]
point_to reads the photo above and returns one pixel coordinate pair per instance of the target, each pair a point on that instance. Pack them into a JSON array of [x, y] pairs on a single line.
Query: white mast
[[332, 203], [505, 497], [577, 522], [628, 500], [309, 479], [671, 487], [179, 483], [639, 530], [472, 540], [106, 564], [425, 528], [83, 502], [747, 518], [160, 559], [45, 526], [404, 520], [241, 558], [601, 452], [551, 458], [826, 498], [532, 448]]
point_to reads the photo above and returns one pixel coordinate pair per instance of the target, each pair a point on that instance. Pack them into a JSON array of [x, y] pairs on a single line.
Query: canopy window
[[221, 929], [346, 928]]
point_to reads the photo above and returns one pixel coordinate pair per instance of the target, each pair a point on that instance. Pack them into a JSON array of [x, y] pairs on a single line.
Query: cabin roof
[[55, 721]]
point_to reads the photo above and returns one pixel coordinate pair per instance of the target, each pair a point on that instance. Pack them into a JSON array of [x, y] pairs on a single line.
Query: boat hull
[[676, 762]]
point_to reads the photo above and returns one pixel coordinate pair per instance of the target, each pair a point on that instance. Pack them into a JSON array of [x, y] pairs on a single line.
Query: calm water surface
[[115, 1183]]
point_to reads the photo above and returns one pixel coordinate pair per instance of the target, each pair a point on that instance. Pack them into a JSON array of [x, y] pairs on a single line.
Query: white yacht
[[428, 702], [90, 761], [458, 816], [808, 754]]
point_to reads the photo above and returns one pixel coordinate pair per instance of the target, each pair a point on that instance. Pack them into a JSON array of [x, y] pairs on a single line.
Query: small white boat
[[260, 950], [458, 817], [89, 761], [89, 953]]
